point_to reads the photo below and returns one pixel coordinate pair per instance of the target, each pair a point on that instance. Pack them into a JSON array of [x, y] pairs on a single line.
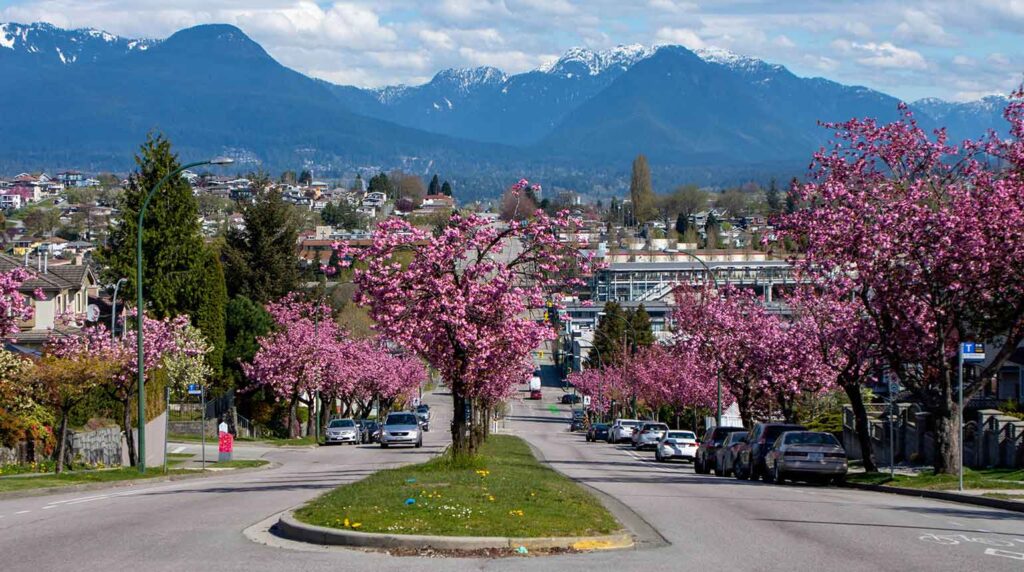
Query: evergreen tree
[[642, 332], [210, 314], [172, 245], [682, 224], [306, 177], [771, 197], [259, 260], [357, 185], [609, 337], [288, 177], [380, 183], [245, 322], [791, 200], [446, 189], [711, 231], [640, 191], [435, 186]]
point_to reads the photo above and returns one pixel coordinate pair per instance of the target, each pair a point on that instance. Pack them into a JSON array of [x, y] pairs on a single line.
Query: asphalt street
[[709, 523]]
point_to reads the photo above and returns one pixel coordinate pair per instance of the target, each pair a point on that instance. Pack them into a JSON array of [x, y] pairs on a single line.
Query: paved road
[[710, 523]]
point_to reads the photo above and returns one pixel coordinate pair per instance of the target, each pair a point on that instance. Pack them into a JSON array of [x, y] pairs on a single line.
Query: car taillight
[[794, 454], [835, 455]]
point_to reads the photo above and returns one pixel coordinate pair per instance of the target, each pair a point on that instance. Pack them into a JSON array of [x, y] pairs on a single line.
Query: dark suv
[[704, 462], [750, 461]]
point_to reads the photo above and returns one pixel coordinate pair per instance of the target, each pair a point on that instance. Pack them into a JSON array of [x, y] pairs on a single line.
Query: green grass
[[298, 441], [483, 497], [21, 483], [189, 438], [973, 479]]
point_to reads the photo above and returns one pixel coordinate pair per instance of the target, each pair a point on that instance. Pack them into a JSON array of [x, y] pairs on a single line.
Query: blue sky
[[911, 49]]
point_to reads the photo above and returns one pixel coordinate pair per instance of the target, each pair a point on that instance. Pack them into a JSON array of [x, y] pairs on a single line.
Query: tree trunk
[[129, 437], [947, 438], [462, 442], [62, 436], [860, 421], [310, 417], [292, 432]]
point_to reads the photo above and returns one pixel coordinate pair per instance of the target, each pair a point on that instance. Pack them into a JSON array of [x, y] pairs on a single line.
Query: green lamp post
[[139, 307]]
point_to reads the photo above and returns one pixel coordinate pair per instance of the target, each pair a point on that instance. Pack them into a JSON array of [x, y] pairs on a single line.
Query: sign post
[[969, 352], [894, 388], [196, 389]]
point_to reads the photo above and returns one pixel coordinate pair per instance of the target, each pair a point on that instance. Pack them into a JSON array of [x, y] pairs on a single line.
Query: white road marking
[[1004, 553], [955, 523], [178, 450], [23, 512], [49, 507]]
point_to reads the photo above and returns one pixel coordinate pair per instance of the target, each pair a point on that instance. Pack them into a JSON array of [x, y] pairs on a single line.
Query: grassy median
[[50, 480], [973, 479], [505, 492]]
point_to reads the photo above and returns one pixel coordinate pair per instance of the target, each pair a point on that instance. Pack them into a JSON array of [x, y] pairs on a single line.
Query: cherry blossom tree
[[14, 306], [929, 232], [464, 300]]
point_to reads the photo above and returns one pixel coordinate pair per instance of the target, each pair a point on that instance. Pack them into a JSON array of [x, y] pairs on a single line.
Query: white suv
[[622, 430]]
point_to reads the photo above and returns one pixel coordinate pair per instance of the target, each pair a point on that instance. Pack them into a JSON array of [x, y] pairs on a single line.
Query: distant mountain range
[[86, 99]]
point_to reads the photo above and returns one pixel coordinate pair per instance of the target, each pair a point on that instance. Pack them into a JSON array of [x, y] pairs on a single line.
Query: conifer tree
[[640, 191], [446, 189], [435, 186]]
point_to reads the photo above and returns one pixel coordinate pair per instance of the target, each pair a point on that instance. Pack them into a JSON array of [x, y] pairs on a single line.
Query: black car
[[370, 431], [597, 432], [577, 424], [704, 461], [749, 464], [571, 399]]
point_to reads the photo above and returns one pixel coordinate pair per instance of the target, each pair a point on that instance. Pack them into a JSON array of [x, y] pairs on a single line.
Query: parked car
[[805, 455], [749, 463], [577, 424], [423, 411], [370, 431], [342, 431], [571, 399], [649, 435], [676, 445], [713, 439], [597, 432], [622, 430], [401, 428], [725, 457], [536, 394]]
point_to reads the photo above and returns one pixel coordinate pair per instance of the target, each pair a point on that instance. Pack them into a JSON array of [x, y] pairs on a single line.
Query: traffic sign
[[195, 389], [586, 401], [971, 351]]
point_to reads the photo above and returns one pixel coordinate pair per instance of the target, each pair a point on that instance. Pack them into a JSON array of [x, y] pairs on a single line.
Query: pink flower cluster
[[14, 306]]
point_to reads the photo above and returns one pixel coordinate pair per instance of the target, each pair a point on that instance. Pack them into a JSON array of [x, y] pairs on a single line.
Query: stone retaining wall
[[94, 447]]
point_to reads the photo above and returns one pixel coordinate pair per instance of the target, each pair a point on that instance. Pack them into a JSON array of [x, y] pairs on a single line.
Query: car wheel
[[839, 480], [768, 476], [698, 466], [778, 476], [718, 471], [383, 445], [419, 443], [658, 457], [737, 471]]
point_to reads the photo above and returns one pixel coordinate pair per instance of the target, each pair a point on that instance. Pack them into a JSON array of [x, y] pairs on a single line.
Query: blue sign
[[195, 389], [971, 351]]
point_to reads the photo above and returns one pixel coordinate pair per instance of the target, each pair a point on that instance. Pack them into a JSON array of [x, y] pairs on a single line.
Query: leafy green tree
[[259, 260], [609, 337], [245, 322], [173, 253], [342, 215], [446, 189], [733, 202], [288, 177], [712, 229], [435, 186], [210, 315], [42, 221], [640, 191]]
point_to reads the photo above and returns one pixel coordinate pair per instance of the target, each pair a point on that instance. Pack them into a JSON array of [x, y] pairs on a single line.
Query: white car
[[343, 431], [622, 430], [677, 445], [402, 428]]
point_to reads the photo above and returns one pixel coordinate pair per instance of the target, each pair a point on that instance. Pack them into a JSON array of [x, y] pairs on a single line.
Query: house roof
[[55, 279]]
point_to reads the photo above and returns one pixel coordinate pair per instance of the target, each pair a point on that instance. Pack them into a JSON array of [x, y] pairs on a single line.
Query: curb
[[85, 487], [943, 495], [290, 528]]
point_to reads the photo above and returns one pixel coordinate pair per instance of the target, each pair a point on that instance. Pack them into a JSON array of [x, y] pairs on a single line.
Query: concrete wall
[[155, 437]]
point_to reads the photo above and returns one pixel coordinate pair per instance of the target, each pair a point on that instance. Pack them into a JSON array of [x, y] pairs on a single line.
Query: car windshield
[[655, 427], [422, 409], [681, 435], [600, 426], [631, 423], [811, 439], [342, 423], [723, 432], [401, 419]]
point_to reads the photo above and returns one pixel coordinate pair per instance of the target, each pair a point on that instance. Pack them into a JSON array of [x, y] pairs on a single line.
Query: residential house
[[71, 179], [437, 202], [65, 289], [10, 202]]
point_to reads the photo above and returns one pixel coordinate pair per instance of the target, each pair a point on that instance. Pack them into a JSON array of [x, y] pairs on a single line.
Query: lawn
[[21, 483], [504, 492], [973, 479]]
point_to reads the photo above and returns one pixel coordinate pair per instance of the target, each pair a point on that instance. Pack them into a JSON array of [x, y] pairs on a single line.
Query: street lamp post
[[718, 374], [113, 309], [139, 301]]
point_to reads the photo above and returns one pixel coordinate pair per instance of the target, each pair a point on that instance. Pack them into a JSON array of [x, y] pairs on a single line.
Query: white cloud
[[918, 26], [682, 36], [886, 55]]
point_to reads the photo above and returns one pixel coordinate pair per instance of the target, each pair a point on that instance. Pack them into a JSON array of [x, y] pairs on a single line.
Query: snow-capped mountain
[[46, 44], [584, 61]]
